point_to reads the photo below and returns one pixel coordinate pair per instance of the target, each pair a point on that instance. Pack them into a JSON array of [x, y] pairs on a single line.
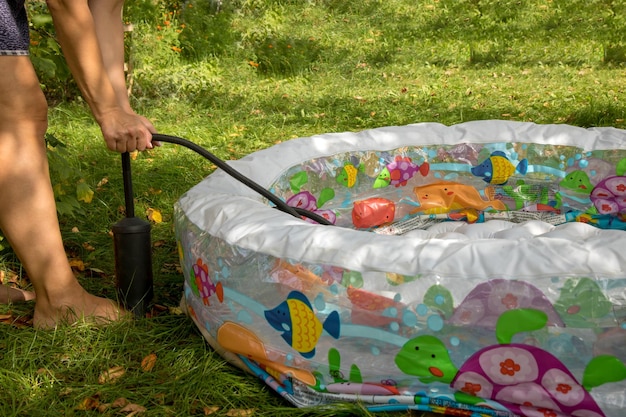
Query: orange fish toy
[[444, 197], [373, 212]]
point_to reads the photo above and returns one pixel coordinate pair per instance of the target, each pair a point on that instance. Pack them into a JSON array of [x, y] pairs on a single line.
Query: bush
[[46, 56]]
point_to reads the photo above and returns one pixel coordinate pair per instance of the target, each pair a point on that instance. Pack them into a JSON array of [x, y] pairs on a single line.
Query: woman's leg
[[27, 208]]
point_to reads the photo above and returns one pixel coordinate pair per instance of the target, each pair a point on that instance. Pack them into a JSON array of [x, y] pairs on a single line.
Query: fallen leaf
[[97, 271], [177, 311], [148, 362], [120, 402], [240, 413], [133, 155], [210, 410], [133, 409], [13, 278], [102, 408], [102, 182], [75, 230], [154, 215], [111, 375], [88, 403], [84, 192], [87, 246], [77, 264]]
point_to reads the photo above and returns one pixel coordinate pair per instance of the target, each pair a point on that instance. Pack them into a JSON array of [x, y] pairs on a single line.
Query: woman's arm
[[123, 130], [107, 16]]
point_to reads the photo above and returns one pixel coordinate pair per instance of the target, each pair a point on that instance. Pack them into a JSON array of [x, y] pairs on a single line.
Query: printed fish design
[[443, 197], [205, 285], [497, 169], [301, 328], [347, 175], [399, 171]]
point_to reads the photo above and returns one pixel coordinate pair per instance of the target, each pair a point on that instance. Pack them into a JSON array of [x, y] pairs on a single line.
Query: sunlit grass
[[334, 65]]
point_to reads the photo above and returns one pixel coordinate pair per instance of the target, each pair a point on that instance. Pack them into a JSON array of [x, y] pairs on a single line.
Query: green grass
[[332, 66]]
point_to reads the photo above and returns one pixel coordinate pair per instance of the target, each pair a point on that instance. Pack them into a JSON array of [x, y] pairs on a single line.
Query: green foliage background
[[185, 50], [238, 76]]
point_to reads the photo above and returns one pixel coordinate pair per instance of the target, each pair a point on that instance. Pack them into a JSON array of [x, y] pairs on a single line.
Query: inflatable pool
[[477, 269]]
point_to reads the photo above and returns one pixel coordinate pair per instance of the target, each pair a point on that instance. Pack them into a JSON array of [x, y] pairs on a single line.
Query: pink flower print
[[563, 387], [510, 301], [474, 384], [507, 365], [507, 295], [471, 389], [470, 312], [547, 413], [530, 396]]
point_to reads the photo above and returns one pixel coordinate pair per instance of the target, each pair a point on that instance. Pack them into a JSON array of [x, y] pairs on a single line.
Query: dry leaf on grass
[[118, 403], [133, 409], [154, 215], [19, 322], [148, 362], [77, 264], [111, 375], [102, 182], [240, 412], [88, 246], [208, 410], [88, 403]]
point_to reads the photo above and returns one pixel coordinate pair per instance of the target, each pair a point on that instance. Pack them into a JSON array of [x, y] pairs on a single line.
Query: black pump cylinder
[[133, 264]]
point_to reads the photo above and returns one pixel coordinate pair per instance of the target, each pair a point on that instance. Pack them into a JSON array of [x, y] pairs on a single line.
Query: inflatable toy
[[477, 269]]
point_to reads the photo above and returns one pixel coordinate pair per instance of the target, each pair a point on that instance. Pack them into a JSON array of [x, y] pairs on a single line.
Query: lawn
[[241, 77]]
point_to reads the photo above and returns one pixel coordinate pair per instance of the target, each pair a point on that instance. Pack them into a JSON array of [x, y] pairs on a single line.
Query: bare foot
[[10, 295], [84, 308]]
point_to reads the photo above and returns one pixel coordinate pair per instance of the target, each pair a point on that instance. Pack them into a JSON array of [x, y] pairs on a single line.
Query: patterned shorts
[[14, 37]]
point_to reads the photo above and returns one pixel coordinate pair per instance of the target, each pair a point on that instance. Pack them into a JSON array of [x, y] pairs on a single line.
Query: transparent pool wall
[[377, 312]]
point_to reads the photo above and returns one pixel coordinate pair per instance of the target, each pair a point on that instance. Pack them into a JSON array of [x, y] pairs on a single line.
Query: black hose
[[280, 204]]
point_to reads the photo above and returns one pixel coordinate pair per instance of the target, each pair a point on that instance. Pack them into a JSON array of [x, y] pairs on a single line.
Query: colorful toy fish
[[205, 285], [301, 328], [347, 175], [373, 212], [399, 171], [444, 197], [307, 201], [497, 169]]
